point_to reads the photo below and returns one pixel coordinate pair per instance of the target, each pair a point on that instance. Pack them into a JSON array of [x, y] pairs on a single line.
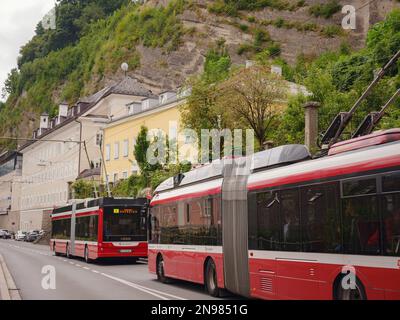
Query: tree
[[201, 110], [141, 146], [83, 189], [254, 95]]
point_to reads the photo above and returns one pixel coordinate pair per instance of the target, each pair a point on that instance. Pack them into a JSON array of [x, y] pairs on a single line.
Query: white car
[[4, 234], [20, 235]]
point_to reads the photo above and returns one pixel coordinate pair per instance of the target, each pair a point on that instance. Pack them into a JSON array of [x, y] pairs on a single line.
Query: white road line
[[78, 265], [132, 285], [86, 268], [95, 271]]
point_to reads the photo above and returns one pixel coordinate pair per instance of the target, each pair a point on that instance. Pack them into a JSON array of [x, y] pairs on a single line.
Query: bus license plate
[[125, 250]]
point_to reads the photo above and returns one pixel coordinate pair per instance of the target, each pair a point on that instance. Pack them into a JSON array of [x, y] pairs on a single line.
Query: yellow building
[[120, 134]]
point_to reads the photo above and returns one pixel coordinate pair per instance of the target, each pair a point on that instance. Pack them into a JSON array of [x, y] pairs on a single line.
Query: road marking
[[132, 285], [95, 271], [86, 268], [78, 265]]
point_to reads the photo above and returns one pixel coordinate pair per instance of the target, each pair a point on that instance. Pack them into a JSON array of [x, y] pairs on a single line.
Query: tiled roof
[[131, 86]]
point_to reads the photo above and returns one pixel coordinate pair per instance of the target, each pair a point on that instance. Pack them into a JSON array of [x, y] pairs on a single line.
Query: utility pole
[[105, 169], [90, 166]]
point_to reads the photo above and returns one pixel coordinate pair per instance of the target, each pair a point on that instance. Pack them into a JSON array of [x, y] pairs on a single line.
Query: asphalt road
[[77, 280]]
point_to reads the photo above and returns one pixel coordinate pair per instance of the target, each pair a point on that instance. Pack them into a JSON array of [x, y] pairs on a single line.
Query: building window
[[126, 148], [125, 175], [115, 177], [108, 151], [116, 150]]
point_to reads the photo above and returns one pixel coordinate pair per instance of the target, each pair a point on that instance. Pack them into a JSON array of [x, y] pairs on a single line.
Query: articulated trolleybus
[[292, 228], [101, 228]]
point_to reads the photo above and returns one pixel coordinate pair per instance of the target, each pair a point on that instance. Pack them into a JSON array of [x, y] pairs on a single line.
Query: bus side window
[[320, 219], [290, 215], [268, 233], [360, 215], [391, 213]]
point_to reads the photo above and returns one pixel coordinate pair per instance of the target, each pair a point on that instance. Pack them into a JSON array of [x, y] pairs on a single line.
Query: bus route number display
[[125, 211]]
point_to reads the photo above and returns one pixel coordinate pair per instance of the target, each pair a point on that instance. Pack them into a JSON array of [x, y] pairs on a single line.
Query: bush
[[325, 10], [331, 31]]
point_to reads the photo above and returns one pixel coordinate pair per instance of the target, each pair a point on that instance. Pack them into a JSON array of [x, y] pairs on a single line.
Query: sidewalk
[[8, 289]]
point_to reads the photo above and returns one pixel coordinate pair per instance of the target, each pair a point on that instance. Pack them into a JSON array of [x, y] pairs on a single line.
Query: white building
[[57, 155], [10, 173]]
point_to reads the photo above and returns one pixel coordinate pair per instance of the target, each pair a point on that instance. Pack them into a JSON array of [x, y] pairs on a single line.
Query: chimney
[[44, 121], [311, 124], [63, 110]]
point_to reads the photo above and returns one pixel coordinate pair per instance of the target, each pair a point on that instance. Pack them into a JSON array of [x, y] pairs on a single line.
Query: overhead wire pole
[[105, 169], [90, 165], [340, 122], [372, 119]]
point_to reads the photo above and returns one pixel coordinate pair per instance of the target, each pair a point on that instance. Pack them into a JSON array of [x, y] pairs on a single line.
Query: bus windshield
[[124, 224]]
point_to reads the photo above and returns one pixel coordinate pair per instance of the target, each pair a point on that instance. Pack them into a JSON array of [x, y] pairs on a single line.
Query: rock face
[[161, 70]]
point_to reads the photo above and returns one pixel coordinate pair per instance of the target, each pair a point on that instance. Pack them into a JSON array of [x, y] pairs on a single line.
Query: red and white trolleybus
[[101, 228], [292, 228]]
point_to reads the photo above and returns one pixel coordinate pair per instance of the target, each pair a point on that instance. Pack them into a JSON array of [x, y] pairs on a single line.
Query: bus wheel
[[67, 253], [358, 293], [87, 259], [160, 270], [210, 280], [54, 250]]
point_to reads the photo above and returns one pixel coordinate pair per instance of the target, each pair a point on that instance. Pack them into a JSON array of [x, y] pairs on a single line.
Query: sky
[[18, 20]]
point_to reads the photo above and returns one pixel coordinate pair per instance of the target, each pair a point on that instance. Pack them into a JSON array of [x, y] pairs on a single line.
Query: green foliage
[[331, 31], [141, 146], [216, 66], [326, 10], [232, 7], [129, 187], [83, 189], [199, 112], [73, 19]]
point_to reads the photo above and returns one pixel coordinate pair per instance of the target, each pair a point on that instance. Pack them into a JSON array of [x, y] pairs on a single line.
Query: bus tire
[[67, 253], [339, 293], [54, 250], [86, 255], [211, 279], [160, 270]]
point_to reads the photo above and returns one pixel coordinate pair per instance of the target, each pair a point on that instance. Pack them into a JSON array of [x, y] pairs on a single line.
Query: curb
[[8, 289]]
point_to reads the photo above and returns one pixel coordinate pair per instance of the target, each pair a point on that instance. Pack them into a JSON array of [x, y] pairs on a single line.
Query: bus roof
[[103, 202]]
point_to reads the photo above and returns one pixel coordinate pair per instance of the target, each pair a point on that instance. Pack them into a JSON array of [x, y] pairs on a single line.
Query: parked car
[[32, 236], [5, 234], [20, 235]]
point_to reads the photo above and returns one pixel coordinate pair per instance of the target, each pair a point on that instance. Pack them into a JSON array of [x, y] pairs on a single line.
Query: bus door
[[234, 227]]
